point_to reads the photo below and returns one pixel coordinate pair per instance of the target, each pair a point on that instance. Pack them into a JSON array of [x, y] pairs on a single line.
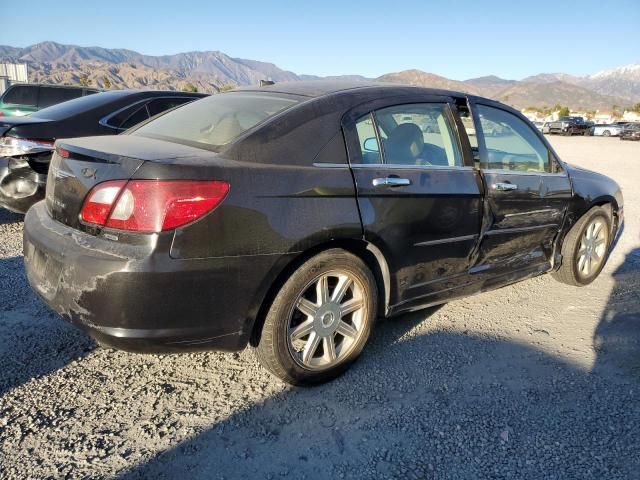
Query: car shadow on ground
[[503, 410], [33, 340]]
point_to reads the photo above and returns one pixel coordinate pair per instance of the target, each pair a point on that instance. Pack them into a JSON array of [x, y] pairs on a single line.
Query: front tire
[[320, 319], [585, 248]]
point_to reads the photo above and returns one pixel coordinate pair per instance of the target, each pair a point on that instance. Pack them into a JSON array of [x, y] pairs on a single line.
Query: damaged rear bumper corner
[[134, 297]]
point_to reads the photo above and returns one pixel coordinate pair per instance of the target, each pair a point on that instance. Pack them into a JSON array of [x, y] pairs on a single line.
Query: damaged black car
[[26, 143], [289, 217]]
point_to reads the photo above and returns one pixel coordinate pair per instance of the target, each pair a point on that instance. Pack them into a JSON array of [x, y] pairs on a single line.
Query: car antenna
[[266, 83]]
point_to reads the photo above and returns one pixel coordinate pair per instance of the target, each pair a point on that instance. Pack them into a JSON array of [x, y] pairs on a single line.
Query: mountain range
[[208, 71]]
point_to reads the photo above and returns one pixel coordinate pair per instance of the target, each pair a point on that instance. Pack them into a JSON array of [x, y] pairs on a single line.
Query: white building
[[603, 118], [11, 73], [629, 116]]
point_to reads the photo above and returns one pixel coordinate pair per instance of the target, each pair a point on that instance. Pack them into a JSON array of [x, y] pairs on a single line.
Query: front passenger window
[[511, 143]]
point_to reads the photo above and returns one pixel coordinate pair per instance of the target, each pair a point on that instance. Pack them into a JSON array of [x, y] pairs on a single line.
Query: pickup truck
[[568, 126]]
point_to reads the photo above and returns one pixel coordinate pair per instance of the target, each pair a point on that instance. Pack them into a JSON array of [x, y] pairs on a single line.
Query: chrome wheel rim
[[327, 321], [593, 247]]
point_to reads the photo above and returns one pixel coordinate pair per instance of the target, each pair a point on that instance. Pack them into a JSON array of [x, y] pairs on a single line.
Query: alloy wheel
[[327, 320], [593, 247]]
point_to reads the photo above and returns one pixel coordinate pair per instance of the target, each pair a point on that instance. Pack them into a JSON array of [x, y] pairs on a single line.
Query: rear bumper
[[20, 185], [136, 297]]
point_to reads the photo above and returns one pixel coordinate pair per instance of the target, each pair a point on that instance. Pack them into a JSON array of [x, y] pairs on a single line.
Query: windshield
[[216, 120], [76, 106]]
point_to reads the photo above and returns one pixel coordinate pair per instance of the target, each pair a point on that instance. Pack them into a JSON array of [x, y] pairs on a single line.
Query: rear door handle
[[391, 182], [505, 187]]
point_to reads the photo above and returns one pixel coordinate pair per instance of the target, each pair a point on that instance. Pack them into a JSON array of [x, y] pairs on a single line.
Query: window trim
[[557, 167], [450, 114]]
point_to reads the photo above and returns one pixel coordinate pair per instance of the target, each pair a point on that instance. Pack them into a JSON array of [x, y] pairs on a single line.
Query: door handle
[[505, 187], [391, 182]]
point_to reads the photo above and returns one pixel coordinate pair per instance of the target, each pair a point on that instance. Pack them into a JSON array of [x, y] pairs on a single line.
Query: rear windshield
[[21, 95], [217, 120]]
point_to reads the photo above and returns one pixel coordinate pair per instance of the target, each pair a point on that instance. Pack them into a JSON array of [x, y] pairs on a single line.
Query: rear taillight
[[151, 205]]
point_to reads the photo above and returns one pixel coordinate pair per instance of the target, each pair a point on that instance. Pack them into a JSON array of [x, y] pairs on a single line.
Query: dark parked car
[[26, 143], [25, 98], [630, 131], [289, 216], [569, 126]]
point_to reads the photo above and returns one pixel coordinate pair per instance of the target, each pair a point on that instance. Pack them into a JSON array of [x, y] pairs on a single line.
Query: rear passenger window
[[413, 135], [163, 104], [52, 96], [138, 116], [21, 95], [368, 142]]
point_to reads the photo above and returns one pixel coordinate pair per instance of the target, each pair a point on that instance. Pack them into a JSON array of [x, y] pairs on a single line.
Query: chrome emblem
[[89, 172]]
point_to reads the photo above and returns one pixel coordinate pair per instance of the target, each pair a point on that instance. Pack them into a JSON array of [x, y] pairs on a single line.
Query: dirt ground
[[536, 380]]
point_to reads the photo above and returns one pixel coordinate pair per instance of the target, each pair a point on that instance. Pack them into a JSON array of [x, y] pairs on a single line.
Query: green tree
[[190, 87], [106, 82], [636, 108], [85, 81], [564, 112]]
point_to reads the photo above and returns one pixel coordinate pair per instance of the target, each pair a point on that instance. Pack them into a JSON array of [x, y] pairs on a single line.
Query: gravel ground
[[536, 380]]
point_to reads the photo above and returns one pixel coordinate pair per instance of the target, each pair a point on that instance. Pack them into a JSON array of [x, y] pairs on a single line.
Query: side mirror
[[371, 144]]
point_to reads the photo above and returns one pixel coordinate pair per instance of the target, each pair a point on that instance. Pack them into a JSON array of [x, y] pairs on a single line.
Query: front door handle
[[391, 182], [505, 187]]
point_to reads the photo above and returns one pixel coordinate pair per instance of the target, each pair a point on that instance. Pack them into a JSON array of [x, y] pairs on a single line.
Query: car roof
[[136, 91], [74, 87], [321, 88]]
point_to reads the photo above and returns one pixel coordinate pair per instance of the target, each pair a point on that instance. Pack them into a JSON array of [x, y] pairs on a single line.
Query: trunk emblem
[[89, 172]]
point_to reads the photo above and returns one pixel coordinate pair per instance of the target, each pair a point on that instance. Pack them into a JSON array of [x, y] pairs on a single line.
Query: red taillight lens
[[151, 205], [100, 201]]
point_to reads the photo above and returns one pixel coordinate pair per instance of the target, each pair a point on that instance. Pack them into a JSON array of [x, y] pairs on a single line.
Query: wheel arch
[[366, 251]]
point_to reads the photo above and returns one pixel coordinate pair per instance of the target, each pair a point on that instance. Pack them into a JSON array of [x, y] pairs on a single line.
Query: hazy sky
[[457, 39]]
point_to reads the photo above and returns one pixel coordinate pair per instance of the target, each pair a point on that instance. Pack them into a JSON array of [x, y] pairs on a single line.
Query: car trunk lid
[[79, 164]]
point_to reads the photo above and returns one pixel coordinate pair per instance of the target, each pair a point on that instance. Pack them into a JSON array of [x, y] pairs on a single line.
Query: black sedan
[[26, 143], [290, 216], [630, 131]]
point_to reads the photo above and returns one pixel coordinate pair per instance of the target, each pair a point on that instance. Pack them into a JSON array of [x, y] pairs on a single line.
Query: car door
[[527, 193], [418, 194]]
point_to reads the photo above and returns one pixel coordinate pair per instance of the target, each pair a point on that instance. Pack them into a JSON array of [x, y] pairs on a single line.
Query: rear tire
[[585, 249], [606, 133], [320, 319]]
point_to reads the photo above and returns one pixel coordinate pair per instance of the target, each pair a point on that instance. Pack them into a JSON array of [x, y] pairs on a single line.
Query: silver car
[[607, 130]]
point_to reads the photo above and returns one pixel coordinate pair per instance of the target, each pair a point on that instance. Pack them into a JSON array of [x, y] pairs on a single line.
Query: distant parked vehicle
[[568, 126], [612, 130], [630, 131], [25, 98], [545, 127], [26, 143]]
